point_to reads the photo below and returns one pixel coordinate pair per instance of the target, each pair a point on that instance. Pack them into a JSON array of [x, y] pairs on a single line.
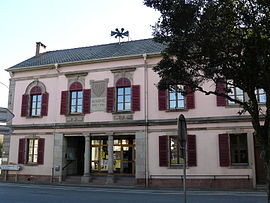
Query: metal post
[[182, 135]]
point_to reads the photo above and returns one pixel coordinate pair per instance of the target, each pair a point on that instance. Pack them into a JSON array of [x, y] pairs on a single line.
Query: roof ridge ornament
[[120, 34]]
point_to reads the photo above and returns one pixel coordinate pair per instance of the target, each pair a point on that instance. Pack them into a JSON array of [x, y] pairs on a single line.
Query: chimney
[[38, 44]]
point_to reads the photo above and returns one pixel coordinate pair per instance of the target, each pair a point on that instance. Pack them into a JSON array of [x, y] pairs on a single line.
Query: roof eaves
[[83, 62]]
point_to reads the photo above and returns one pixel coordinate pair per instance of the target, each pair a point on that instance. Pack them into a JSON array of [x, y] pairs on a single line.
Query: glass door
[[124, 155], [99, 155]]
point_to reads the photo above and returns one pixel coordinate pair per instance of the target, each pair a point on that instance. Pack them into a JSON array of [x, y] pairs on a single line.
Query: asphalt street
[[28, 193]]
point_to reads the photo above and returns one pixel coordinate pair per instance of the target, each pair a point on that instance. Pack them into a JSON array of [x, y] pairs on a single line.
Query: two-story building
[[96, 113]]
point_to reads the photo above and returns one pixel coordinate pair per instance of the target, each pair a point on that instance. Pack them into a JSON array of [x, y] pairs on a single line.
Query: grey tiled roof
[[94, 52]]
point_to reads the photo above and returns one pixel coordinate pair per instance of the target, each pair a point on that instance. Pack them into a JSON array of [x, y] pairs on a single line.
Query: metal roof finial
[[119, 34]]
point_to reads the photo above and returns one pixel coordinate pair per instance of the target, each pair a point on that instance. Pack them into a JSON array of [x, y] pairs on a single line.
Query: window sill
[[122, 112], [31, 164], [176, 110], [239, 167], [34, 117], [181, 166]]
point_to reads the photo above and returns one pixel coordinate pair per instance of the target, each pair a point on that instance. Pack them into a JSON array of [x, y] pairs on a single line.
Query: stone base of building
[[203, 183], [213, 184]]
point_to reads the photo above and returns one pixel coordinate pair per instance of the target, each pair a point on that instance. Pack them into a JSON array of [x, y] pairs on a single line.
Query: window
[[234, 92], [31, 150], [76, 100], [261, 96], [176, 98], [35, 105], [169, 151], [233, 150], [175, 152], [239, 151], [123, 99], [172, 98], [35, 101]]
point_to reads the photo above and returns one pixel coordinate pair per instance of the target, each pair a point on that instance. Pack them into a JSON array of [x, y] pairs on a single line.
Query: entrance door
[[260, 169], [124, 155]]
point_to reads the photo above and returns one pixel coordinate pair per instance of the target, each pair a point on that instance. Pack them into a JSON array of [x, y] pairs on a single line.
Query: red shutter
[[21, 152], [76, 86], [162, 100], [224, 158], [190, 99], [64, 103], [136, 97], [163, 151], [41, 145], [86, 100], [123, 82], [220, 88], [24, 107], [44, 105], [191, 150], [110, 99]]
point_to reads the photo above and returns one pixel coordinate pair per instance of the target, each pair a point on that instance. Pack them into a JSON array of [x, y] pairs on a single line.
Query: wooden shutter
[[21, 151], [44, 105], [162, 100], [86, 101], [191, 150], [220, 88], [41, 145], [64, 103], [136, 97], [110, 99], [224, 158], [163, 151], [190, 98], [25, 105]]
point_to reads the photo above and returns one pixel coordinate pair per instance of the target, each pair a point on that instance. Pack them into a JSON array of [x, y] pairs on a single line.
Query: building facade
[[97, 112]]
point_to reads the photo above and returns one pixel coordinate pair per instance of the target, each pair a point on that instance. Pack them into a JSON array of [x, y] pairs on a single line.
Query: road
[[28, 193]]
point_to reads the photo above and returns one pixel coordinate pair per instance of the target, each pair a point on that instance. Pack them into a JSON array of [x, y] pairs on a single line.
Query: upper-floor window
[[261, 96], [176, 98], [123, 97], [234, 92], [76, 100], [35, 101], [172, 98]]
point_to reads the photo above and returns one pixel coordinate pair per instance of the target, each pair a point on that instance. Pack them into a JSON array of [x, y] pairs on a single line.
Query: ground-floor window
[[123, 154], [175, 155], [239, 149]]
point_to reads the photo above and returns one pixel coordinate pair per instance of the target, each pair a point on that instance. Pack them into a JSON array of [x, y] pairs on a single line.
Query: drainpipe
[[146, 120]]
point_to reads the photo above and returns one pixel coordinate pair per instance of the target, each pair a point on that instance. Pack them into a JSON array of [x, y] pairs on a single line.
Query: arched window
[[76, 100], [35, 101], [36, 95], [123, 87], [123, 97]]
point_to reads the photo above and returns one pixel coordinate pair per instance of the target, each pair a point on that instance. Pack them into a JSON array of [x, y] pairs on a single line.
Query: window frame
[[238, 148], [124, 101], [258, 94], [35, 107], [180, 161], [76, 99], [32, 155], [234, 93], [178, 97]]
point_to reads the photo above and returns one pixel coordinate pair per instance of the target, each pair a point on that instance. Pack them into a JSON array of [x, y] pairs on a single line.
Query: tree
[[220, 41]]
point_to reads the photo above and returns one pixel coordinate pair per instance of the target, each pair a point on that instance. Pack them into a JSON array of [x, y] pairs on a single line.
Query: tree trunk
[[268, 180]]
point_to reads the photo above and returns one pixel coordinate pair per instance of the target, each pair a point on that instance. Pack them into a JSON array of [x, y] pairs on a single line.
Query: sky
[[64, 24]]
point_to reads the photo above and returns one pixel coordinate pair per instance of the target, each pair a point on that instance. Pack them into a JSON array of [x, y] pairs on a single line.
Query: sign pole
[[182, 135]]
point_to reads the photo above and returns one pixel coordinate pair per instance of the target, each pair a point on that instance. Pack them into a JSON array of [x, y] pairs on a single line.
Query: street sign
[[5, 115], [5, 130], [10, 167]]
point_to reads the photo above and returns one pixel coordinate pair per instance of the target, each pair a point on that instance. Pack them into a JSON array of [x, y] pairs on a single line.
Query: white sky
[[63, 24]]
